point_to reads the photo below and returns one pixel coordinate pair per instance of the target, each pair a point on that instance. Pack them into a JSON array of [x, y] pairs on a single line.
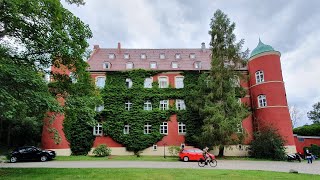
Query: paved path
[[222, 164]]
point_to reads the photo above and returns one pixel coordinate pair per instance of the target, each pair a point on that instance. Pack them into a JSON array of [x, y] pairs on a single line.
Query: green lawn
[[115, 158], [45, 173]]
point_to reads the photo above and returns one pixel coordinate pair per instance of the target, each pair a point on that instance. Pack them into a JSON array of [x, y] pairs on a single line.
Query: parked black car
[[31, 153]]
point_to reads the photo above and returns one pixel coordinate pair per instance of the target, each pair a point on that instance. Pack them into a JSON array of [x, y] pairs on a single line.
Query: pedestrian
[[309, 156]]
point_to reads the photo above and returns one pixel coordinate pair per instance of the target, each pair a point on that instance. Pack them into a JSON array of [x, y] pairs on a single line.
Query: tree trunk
[[221, 149], [9, 136]]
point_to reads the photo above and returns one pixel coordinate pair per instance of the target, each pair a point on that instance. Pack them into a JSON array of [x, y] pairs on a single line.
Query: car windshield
[[38, 149], [198, 151]]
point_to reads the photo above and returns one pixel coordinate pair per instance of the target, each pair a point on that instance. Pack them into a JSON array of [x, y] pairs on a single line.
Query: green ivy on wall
[[114, 117]]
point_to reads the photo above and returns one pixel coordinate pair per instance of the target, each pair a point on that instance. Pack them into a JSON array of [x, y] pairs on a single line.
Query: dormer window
[[126, 56], [178, 56], [112, 56], [162, 56], [174, 65], [106, 65], [143, 56], [197, 65], [192, 56], [153, 65], [129, 65]]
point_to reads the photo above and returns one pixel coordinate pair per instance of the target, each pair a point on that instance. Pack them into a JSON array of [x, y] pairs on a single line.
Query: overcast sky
[[291, 27]]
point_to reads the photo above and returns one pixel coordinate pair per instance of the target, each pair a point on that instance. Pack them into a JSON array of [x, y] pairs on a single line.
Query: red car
[[192, 154]]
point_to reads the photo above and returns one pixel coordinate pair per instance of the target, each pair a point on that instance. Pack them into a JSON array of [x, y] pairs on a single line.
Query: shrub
[[268, 144], [102, 150], [174, 150], [308, 130]]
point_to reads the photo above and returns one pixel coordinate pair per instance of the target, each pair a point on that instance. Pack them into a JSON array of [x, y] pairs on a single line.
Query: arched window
[[259, 77], [262, 100]]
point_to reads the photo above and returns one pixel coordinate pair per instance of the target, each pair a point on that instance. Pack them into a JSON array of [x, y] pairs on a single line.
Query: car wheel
[[43, 158], [185, 159], [13, 159]]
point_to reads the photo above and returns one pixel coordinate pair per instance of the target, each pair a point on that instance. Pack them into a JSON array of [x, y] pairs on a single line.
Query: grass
[[115, 158], [94, 173]]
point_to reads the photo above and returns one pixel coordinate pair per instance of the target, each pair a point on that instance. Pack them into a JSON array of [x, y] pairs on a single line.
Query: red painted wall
[[307, 141]]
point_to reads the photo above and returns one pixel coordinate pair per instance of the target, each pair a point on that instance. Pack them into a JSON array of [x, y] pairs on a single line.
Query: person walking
[[309, 156]]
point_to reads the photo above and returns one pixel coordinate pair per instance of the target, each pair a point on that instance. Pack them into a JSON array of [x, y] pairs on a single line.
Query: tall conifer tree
[[221, 111]]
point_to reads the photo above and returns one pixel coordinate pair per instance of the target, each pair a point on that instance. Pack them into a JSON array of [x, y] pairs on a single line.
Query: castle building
[[266, 94]]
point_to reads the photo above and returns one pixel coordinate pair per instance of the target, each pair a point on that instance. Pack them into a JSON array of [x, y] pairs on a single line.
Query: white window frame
[[174, 65], [126, 56], [143, 56], [154, 147], [192, 56], [147, 128], [180, 105], [178, 83], [164, 128], [148, 82], [129, 83], [106, 65], [147, 105], [129, 65], [178, 56], [99, 108], [128, 105], [162, 56], [153, 65], [103, 83], [97, 130], [111, 56], [164, 105], [182, 128], [197, 65], [262, 100], [259, 76], [126, 129], [163, 84]]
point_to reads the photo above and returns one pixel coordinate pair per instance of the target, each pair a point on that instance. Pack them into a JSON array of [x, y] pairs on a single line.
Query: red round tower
[[268, 93]]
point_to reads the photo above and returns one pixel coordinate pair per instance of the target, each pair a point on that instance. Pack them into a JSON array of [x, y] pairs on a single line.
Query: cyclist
[[206, 154]]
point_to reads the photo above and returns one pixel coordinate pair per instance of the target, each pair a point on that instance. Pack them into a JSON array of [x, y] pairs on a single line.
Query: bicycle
[[211, 161]]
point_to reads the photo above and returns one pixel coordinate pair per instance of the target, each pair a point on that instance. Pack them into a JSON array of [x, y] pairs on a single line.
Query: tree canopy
[[314, 115], [218, 100]]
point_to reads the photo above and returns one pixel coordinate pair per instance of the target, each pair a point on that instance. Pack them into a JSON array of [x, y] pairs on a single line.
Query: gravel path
[[222, 164]]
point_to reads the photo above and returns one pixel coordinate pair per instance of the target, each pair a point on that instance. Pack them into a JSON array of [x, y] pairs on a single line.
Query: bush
[[308, 130], [314, 149], [174, 150], [102, 150], [268, 144]]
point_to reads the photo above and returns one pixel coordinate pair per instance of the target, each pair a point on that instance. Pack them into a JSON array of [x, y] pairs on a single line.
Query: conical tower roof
[[261, 48]]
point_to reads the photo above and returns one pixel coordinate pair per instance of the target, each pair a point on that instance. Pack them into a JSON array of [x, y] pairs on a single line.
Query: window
[[126, 56], [236, 81], [97, 130], [148, 83], [262, 100], [163, 82], [162, 56], [300, 139], [129, 65], [128, 105], [259, 77], [179, 82], [106, 65], [111, 56], [197, 65], [128, 83], [164, 128], [180, 104], [147, 128], [143, 56], [174, 65], [126, 129], [164, 105], [73, 77], [99, 108], [154, 147], [147, 106], [181, 128], [100, 81], [153, 65], [192, 56], [178, 56]]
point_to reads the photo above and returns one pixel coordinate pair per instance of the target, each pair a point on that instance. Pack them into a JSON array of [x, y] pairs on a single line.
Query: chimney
[[119, 47], [96, 47], [203, 47]]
